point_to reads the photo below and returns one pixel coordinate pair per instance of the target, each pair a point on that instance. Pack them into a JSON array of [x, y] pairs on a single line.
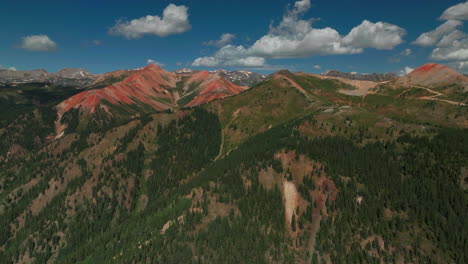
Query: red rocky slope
[[434, 75], [155, 87]]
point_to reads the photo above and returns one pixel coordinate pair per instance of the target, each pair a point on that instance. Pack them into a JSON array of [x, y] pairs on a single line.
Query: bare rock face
[[374, 77], [75, 73], [242, 78]]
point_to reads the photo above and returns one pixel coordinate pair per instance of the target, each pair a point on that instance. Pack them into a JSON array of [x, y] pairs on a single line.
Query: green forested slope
[[273, 175]]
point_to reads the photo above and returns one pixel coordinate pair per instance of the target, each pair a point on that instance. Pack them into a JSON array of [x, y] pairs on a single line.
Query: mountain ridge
[[65, 76], [153, 86], [433, 75], [375, 77]]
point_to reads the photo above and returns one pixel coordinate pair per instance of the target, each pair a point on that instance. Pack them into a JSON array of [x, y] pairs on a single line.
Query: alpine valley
[[191, 166]]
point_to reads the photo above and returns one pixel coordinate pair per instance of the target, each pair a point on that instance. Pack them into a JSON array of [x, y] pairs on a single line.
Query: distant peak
[[434, 75], [375, 77], [184, 70]]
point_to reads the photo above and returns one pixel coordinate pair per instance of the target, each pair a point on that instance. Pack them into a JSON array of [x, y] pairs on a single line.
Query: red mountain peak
[[429, 67]]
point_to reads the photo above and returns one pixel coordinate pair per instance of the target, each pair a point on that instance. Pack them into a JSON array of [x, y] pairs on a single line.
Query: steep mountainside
[[151, 86], [292, 170], [434, 75], [374, 77]]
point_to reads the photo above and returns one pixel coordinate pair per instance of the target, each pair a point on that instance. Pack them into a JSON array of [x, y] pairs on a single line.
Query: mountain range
[[65, 77], [375, 77], [152, 166]]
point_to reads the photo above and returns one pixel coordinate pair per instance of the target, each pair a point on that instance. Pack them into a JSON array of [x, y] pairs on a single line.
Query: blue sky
[[89, 34]]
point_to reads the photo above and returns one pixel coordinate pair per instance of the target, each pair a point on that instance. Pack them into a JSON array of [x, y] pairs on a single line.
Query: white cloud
[[317, 67], [174, 21], [461, 66], [458, 51], [38, 43], [206, 61], [302, 6], [383, 36], [406, 70], [251, 62], [451, 44], [248, 62], [432, 37], [225, 39], [406, 52], [326, 41], [151, 61], [451, 47], [295, 38], [456, 12]]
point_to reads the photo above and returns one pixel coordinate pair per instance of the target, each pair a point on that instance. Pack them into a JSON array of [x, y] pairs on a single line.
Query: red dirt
[[137, 87], [213, 87], [434, 75], [146, 85], [427, 68]]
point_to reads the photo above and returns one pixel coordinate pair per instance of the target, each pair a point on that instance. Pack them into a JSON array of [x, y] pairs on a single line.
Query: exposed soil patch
[[291, 201]]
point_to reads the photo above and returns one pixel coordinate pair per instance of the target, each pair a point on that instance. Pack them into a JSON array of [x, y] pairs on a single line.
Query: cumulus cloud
[[406, 70], [38, 43], [451, 47], [432, 37], [317, 67], [294, 37], [458, 51], [206, 61], [225, 39], [302, 6], [249, 62], [449, 42], [462, 66], [456, 12], [378, 35], [174, 21], [151, 61]]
